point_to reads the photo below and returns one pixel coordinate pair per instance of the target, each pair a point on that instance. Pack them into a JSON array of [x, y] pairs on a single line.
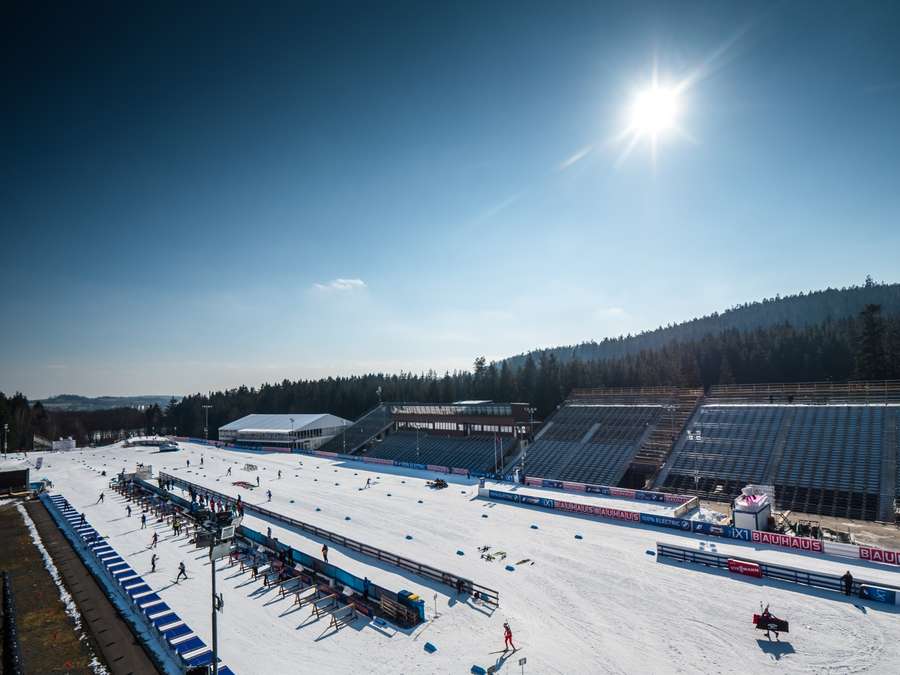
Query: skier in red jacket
[[507, 637]]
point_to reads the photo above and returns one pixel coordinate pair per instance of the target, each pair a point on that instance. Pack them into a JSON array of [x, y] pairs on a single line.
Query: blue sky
[[198, 200]]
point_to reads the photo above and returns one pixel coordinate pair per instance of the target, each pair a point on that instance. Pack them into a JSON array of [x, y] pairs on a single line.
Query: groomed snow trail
[[591, 605]]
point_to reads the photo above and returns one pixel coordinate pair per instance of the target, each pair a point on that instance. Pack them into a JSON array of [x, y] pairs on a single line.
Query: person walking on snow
[[257, 481], [128, 509], [143, 521], [279, 474], [100, 500], [155, 540], [188, 463], [269, 494], [182, 572], [201, 460], [507, 637], [153, 560], [368, 482], [228, 472], [325, 552]]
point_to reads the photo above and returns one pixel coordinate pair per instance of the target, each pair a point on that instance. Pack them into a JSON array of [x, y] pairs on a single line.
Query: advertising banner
[[666, 521], [649, 496], [725, 531], [748, 569], [878, 594], [786, 541], [616, 514], [879, 555]]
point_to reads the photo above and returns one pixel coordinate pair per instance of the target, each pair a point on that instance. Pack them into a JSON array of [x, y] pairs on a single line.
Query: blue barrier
[[878, 594], [666, 521]]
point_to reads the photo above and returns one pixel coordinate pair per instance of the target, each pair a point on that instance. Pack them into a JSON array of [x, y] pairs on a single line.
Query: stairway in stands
[[363, 430], [656, 447]]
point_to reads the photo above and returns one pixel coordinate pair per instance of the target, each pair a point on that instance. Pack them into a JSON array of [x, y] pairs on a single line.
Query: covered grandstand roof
[[282, 422]]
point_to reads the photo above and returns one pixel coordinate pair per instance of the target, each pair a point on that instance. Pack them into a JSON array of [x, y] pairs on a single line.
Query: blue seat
[[166, 619], [147, 600], [174, 633], [190, 645], [202, 659], [137, 590]]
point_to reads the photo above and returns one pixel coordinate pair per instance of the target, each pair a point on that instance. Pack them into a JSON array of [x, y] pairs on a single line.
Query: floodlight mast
[[206, 426]]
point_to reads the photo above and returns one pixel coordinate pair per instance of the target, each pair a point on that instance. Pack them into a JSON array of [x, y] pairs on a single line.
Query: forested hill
[[804, 309]]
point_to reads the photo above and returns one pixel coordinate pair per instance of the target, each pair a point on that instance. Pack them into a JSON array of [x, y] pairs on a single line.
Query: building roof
[[282, 422]]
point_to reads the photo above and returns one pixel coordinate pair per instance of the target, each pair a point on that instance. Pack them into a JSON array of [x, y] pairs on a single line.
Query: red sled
[[770, 623]]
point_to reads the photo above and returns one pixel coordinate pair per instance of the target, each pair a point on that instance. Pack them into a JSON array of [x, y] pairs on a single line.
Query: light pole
[[206, 426], [5, 434], [292, 434]]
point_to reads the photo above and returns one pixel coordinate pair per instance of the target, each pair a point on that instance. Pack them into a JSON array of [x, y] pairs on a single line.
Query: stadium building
[[292, 430], [480, 436]]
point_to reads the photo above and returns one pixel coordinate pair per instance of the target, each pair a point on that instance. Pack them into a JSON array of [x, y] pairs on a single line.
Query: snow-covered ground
[[600, 604]]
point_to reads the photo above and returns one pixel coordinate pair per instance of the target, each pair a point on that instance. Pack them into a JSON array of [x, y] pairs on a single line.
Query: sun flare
[[654, 111]]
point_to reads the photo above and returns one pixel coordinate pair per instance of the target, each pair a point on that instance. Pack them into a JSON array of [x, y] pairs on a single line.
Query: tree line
[[866, 346]]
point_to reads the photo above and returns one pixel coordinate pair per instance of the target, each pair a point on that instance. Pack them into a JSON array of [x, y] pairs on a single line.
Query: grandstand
[[475, 435], [476, 453], [610, 436], [828, 448]]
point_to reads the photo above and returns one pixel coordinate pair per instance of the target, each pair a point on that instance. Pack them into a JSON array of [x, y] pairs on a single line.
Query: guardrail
[[829, 582], [487, 595], [12, 655]]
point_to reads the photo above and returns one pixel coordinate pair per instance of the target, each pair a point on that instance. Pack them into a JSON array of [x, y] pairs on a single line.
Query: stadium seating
[[821, 458], [590, 442], [476, 453]]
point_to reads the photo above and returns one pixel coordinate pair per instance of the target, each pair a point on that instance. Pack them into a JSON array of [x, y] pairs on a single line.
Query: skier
[[181, 572], [368, 482], [269, 494], [325, 552], [507, 637], [143, 521], [189, 463], [153, 560], [201, 460], [279, 474], [155, 540], [128, 509], [257, 481], [83, 520], [847, 582], [100, 500], [767, 617], [228, 472]]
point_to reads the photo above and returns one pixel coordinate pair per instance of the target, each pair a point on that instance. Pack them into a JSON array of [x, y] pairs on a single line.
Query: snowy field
[[600, 604]]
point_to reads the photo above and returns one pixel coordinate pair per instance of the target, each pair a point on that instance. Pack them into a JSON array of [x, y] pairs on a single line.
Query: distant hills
[[801, 310], [73, 402]]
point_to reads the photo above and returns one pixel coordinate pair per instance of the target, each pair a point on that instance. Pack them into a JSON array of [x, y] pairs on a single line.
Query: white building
[[64, 444], [292, 430]]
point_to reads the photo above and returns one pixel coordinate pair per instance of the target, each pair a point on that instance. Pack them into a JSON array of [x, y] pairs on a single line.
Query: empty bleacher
[[828, 448], [476, 453], [598, 434]]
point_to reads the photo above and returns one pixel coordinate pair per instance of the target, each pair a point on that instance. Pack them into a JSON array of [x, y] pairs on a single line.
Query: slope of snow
[[590, 605]]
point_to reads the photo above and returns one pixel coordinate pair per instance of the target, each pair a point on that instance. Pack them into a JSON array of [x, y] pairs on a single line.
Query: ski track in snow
[[597, 605], [64, 595]]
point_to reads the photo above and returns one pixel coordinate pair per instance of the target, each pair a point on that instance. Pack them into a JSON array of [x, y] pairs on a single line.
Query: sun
[[654, 111]]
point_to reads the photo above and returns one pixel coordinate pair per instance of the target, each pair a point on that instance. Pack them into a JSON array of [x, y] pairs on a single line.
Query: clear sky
[[196, 199]]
